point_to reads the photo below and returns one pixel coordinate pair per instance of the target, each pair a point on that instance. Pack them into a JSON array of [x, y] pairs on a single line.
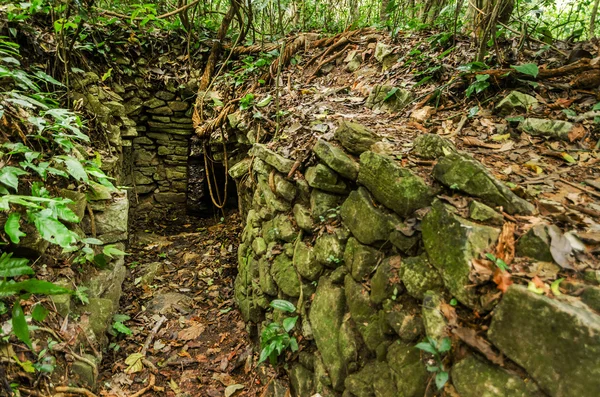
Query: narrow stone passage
[[179, 297]]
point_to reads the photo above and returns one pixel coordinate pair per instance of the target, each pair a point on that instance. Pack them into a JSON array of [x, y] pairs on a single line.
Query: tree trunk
[[593, 19]]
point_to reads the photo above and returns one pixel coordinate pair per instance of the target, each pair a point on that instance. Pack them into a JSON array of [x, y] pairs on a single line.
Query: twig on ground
[[74, 390], [583, 189], [152, 334], [151, 384]]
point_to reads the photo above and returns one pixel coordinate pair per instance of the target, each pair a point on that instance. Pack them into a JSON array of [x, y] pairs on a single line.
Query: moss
[[474, 378], [336, 159], [418, 276], [432, 146], [361, 259], [395, 187], [462, 172], [367, 223], [355, 137], [324, 178], [557, 341], [451, 242], [285, 275]]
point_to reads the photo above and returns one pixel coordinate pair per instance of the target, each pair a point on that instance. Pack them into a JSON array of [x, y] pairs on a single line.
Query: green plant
[[118, 324], [437, 349], [275, 338], [247, 102], [479, 85], [497, 261]]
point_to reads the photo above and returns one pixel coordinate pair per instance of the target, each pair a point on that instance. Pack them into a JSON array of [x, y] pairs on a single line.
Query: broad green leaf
[[391, 93], [39, 312], [46, 77], [122, 328], [120, 318], [426, 347], [283, 305], [75, 168], [27, 365], [440, 379], [9, 176], [445, 345], [92, 241], [33, 286], [12, 227], [289, 323], [12, 267], [530, 69], [19, 324], [293, 344], [111, 250], [53, 230], [265, 102]]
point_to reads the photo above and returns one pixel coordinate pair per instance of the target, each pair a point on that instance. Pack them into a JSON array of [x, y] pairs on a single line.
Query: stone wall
[[158, 154], [372, 259]]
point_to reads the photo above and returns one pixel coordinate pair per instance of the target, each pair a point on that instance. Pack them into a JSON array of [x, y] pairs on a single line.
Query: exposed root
[[151, 385]]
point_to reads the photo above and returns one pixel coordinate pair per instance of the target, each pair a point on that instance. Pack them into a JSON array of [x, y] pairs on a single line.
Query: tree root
[[151, 385]]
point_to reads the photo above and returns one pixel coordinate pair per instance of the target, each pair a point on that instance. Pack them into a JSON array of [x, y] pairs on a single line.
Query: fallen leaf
[[192, 332], [481, 271], [231, 389], [174, 386], [577, 132], [470, 337], [505, 249], [503, 279], [560, 248], [134, 362], [224, 378]]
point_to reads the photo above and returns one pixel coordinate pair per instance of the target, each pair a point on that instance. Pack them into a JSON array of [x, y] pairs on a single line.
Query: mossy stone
[[536, 243], [374, 379], [516, 102], [355, 138], [386, 279], [285, 275], [557, 341], [395, 187], [361, 259], [462, 172], [326, 318], [329, 250], [482, 213], [557, 129], [305, 262], [432, 146], [474, 378], [336, 159], [259, 245], [418, 276], [408, 372], [302, 380], [367, 223], [284, 188], [389, 98], [324, 178], [275, 160], [434, 321], [303, 218], [266, 280], [322, 202], [451, 243], [241, 168]]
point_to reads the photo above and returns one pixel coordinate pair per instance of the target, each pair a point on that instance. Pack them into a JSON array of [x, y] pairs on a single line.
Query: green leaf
[[596, 106], [554, 287], [74, 168], [39, 312], [531, 287], [391, 93], [111, 250], [426, 347], [265, 101], [266, 352], [530, 69], [445, 345], [33, 286], [473, 111], [12, 267], [46, 77], [12, 227], [53, 230], [122, 328], [19, 324], [92, 241], [568, 158], [283, 305], [440, 379], [289, 323], [9, 176]]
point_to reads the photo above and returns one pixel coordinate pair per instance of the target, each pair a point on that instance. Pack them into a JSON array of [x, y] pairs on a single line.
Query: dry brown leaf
[[450, 313], [505, 249], [577, 132], [191, 333], [470, 337], [481, 271], [471, 141], [503, 279]]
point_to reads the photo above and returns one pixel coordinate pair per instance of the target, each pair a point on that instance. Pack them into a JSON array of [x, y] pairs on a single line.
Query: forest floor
[[179, 296], [195, 340]]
